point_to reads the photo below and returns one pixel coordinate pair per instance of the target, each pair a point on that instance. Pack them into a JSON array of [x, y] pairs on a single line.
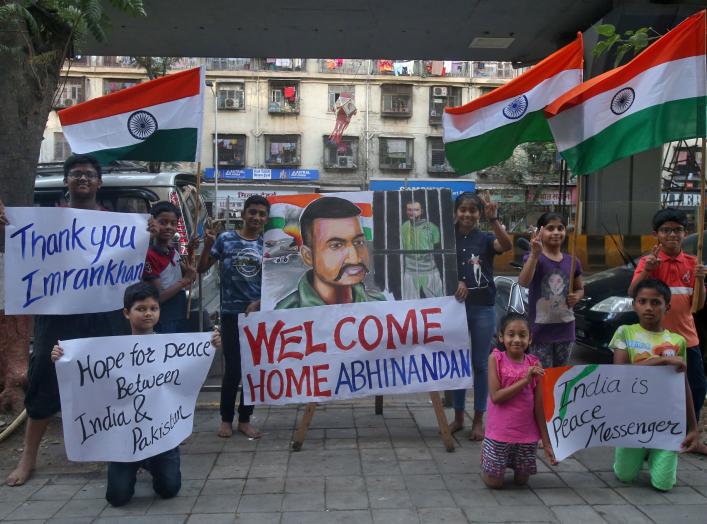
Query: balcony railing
[[438, 68], [343, 66], [395, 67], [494, 70]]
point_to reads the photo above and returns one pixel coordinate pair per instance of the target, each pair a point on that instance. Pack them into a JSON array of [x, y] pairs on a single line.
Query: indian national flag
[[485, 131], [159, 120], [285, 211], [658, 97]]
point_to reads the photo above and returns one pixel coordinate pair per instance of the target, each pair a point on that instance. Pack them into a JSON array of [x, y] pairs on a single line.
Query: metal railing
[[343, 66]]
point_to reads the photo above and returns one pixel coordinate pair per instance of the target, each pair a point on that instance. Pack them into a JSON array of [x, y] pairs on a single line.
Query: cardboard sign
[[317, 354], [61, 261], [614, 405], [125, 399]]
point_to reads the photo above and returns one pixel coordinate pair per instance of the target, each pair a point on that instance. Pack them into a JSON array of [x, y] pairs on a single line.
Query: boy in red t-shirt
[[669, 263]]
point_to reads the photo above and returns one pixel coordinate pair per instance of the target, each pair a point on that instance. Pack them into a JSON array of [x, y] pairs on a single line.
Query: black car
[[606, 304]]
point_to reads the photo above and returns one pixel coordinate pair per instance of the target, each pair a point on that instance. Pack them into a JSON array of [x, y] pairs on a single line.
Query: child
[[165, 269], [546, 273], [515, 419], [241, 256], [669, 263], [475, 252], [142, 309], [651, 302]]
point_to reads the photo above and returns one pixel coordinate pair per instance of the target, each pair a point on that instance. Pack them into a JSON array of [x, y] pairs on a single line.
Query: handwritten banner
[[617, 406], [128, 398], [323, 353], [67, 261]]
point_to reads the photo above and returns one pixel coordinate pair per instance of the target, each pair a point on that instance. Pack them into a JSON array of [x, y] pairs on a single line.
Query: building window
[[71, 92], [343, 156], [284, 97], [62, 151], [486, 90], [282, 150], [231, 96], [396, 153], [231, 151], [441, 97], [335, 91], [396, 100], [112, 85], [436, 160]]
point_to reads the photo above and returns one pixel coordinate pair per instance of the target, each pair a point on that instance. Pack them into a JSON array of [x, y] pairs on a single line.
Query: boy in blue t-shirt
[[241, 256]]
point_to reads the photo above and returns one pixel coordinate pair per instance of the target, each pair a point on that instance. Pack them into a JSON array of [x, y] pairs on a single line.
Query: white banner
[[125, 399], [62, 261], [317, 354], [617, 406]]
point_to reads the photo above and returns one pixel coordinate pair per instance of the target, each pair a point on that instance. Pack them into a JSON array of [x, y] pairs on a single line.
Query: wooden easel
[[447, 439]]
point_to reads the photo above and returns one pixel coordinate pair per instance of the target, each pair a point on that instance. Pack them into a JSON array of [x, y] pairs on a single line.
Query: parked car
[[130, 190]]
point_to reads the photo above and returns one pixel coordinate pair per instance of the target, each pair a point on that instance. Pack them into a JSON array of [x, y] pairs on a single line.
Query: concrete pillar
[[623, 197]]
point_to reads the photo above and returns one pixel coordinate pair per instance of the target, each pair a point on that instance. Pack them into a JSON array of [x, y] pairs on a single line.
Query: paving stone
[[684, 514], [55, 492], [260, 503], [340, 433], [546, 480], [570, 464], [173, 506], [581, 478], [456, 481], [82, 508], [137, 506], [374, 442], [685, 495], [474, 497], [211, 518], [8, 507], [197, 466], [577, 515], [414, 482], [223, 487], [442, 515], [558, 496], [340, 443], [143, 519], [304, 485], [601, 496], [313, 501], [431, 498], [416, 453], [259, 518], [516, 497], [329, 517], [382, 467], [264, 485], [345, 500], [216, 504], [395, 516], [19, 493], [640, 495], [36, 509], [67, 520], [693, 478], [346, 483], [509, 514], [390, 499], [375, 482]]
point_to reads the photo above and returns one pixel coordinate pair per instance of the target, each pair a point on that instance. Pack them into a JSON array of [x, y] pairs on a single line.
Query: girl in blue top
[[475, 252]]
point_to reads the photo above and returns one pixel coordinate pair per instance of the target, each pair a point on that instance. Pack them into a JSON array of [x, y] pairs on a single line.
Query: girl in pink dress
[[515, 420]]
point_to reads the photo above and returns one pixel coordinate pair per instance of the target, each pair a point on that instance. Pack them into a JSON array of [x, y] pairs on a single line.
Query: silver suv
[[129, 190]]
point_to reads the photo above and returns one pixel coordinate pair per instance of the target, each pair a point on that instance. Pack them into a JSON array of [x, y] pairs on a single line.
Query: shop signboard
[[262, 174]]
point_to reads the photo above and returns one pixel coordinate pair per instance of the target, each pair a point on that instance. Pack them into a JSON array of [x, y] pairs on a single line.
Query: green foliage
[[631, 41]]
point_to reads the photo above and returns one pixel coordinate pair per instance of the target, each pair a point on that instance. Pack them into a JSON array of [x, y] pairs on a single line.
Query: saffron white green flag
[[656, 98], [485, 131], [159, 120]]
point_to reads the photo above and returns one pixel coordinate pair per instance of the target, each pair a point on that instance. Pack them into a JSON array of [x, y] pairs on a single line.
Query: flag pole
[[575, 233], [700, 282], [192, 257]]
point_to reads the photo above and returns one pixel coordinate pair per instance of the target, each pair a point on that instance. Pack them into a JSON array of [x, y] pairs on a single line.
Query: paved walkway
[[354, 467]]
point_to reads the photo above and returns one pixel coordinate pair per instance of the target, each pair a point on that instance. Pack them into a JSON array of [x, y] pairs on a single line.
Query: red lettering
[[312, 348], [271, 393], [392, 322], [292, 379], [317, 379], [255, 342], [284, 340], [337, 333], [431, 325], [259, 386], [370, 346]]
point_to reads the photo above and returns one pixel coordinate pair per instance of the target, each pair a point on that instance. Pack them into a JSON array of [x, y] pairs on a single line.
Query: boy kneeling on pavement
[[142, 309]]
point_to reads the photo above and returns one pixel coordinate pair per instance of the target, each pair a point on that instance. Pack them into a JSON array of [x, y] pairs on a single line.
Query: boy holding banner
[[82, 178], [649, 344]]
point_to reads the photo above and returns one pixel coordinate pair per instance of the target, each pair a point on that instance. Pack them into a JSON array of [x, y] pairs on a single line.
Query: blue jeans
[[481, 321], [166, 477], [696, 378]]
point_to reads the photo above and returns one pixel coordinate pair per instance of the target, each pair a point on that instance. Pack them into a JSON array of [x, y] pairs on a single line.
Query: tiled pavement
[[354, 467]]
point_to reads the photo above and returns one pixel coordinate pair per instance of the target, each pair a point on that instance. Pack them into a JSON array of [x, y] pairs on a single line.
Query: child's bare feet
[[225, 430], [21, 473], [477, 427], [455, 426], [248, 430]]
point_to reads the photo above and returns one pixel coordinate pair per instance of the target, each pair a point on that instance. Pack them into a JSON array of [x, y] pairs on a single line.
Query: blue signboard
[[262, 174], [457, 186]]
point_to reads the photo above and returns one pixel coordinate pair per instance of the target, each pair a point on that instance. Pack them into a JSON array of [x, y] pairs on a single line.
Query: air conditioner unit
[[345, 161], [68, 102], [233, 103], [439, 91]]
